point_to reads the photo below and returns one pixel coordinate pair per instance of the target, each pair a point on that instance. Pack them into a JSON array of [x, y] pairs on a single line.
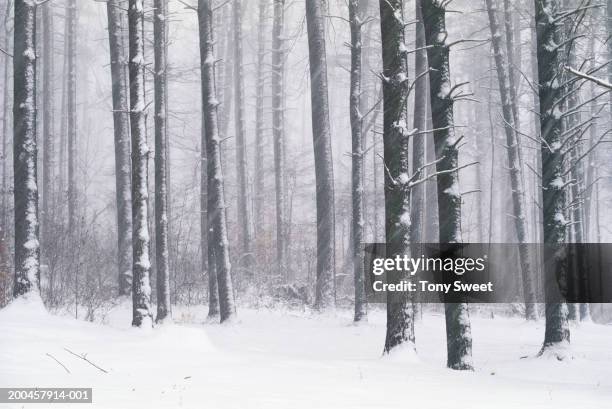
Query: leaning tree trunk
[[278, 131], [160, 39], [141, 265], [71, 23], [357, 159], [217, 227], [324, 175], [550, 75], [518, 198], [458, 330], [27, 248], [48, 123], [244, 219], [121, 126], [400, 319]]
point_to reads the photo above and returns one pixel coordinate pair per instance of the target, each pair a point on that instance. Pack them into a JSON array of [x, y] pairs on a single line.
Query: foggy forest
[[204, 175]]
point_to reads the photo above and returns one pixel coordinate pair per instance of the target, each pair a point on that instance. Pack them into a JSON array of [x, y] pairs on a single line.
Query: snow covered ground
[[274, 359]]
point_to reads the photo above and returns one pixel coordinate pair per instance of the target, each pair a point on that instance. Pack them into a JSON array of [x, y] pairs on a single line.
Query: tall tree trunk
[[244, 219], [419, 123], [400, 319], [4, 217], [549, 74], [27, 247], [278, 132], [160, 39], [324, 175], [518, 198], [217, 227], [458, 329], [71, 111], [48, 121], [357, 159], [121, 126], [260, 134], [141, 287]]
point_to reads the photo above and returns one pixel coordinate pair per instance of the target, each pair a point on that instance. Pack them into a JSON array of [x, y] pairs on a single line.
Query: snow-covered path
[[274, 359]]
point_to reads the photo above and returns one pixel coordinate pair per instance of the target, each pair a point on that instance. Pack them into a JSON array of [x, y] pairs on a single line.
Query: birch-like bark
[[395, 84], [357, 159], [557, 330], [244, 218], [121, 126], [217, 226], [324, 175], [71, 108], [27, 247], [278, 132], [458, 329], [162, 265], [141, 265], [518, 198]]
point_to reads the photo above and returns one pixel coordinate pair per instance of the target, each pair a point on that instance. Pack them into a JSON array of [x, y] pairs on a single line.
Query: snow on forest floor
[[284, 359]]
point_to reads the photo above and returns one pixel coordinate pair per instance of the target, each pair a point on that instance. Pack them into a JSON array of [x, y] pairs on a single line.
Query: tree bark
[[4, 217], [549, 73], [121, 126], [217, 233], [141, 265], [518, 198], [160, 39], [458, 329], [396, 138], [71, 114], [324, 175], [27, 247], [357, 159], [48, 122], [260, 133]]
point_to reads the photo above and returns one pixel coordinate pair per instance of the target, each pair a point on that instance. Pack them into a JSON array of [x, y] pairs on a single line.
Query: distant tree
[[71, 34]]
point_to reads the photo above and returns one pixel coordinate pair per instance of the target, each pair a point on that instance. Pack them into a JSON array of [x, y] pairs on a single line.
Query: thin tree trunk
[[141, 287], [458, 328], [217, 226], [400, 319], [27, 247], [244, 218], [121, 128], [258, 182], [549, 74], [160, 39], [518, 199], [357, 159], [324, 175], [278, 132], [71, 111], [4, 217], [48, 122]]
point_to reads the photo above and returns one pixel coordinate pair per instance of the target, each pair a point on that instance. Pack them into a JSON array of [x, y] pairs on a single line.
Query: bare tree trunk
[[244, 218], [121, 126], [258, 182], [48, 122], [458, 328], [324, 175], [549, 74], [71, 112], [278, 132], [4, 217], [518, 198], [141, 287], [357, 159], [27, 247], [400, 319], [217, 227], [160, 40]]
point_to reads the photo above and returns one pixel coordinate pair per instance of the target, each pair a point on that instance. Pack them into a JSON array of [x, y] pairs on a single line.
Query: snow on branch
[[588, 77]]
